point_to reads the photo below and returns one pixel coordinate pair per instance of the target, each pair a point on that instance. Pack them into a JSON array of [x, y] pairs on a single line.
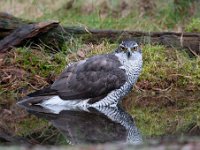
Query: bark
[[24, 33], [16, 32], [9, 23], [190, 41]]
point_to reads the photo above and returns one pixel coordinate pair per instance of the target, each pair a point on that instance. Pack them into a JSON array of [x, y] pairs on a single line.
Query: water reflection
[[107, 124]]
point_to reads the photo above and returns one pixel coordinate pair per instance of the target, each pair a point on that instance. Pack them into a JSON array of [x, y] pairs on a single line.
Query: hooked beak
[[129, 53]]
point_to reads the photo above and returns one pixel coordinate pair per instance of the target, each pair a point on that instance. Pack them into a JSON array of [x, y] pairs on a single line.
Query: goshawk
[[101, 80]]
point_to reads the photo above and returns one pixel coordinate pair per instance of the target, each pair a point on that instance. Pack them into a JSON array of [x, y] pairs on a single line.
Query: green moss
[[193, 26], [163, 115], [149, 123], [40, 63], [41, 131], [163, 67], [30, 124], [169, 66]]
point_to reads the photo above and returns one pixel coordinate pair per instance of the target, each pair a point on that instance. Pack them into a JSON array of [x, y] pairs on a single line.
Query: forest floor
[[164, 101]]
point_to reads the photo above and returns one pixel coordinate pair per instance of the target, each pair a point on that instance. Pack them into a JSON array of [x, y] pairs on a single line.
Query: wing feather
[[90, 78]]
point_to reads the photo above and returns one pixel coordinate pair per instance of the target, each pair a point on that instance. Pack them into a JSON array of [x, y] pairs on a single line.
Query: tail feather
[[43, 92], [30, 103]]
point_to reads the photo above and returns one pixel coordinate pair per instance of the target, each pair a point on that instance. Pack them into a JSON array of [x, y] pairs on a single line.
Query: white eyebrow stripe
[[136, 45], [121, 45]]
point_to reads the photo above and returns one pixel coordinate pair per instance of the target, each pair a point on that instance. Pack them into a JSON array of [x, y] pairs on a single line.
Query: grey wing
[[91, 78]]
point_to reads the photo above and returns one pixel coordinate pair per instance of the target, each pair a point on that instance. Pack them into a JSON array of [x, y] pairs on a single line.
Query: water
[[102, 125], [139, 119]]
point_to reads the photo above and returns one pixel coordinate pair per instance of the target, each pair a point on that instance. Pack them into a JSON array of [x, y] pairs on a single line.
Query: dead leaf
[[81, 53]]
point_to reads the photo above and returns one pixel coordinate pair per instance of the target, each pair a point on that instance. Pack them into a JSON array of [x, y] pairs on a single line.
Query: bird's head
[[129, 47]]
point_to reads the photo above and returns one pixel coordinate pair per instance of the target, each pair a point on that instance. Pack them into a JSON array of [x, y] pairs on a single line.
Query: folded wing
[[90, 78]]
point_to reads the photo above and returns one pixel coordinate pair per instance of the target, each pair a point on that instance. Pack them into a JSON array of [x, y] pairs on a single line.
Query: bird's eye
[[134, 48], [123, 48]]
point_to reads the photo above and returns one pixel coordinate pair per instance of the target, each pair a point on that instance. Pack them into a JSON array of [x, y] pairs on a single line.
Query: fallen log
[[24, 33], [9, 23], [58, 34], [190, 41]]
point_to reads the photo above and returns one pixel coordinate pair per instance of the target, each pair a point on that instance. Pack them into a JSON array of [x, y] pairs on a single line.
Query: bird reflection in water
[[95, 125]]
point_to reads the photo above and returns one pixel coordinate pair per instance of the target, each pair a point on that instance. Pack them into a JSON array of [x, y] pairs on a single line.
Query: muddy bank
[[189, 145]]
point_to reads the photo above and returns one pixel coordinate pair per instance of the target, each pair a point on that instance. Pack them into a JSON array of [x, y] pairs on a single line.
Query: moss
[[169, 66], [39, 63], [166, 114], [30, 124], [41, 131], [193, 26], [163, 67]]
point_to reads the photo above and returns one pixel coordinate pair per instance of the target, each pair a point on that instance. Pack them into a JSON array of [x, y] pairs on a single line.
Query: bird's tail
[[30, 103]]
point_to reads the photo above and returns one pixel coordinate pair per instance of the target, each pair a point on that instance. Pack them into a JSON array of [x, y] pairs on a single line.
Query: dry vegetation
[[166, 71]]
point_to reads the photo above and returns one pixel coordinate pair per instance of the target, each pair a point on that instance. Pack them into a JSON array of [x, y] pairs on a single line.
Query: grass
[[165, 70], [170, 114], [39, 63], [106, 14], [169, 66], [194, 25]]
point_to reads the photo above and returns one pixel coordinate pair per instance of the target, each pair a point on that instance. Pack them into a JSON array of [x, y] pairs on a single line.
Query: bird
[[98, 81], [97, 125]]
